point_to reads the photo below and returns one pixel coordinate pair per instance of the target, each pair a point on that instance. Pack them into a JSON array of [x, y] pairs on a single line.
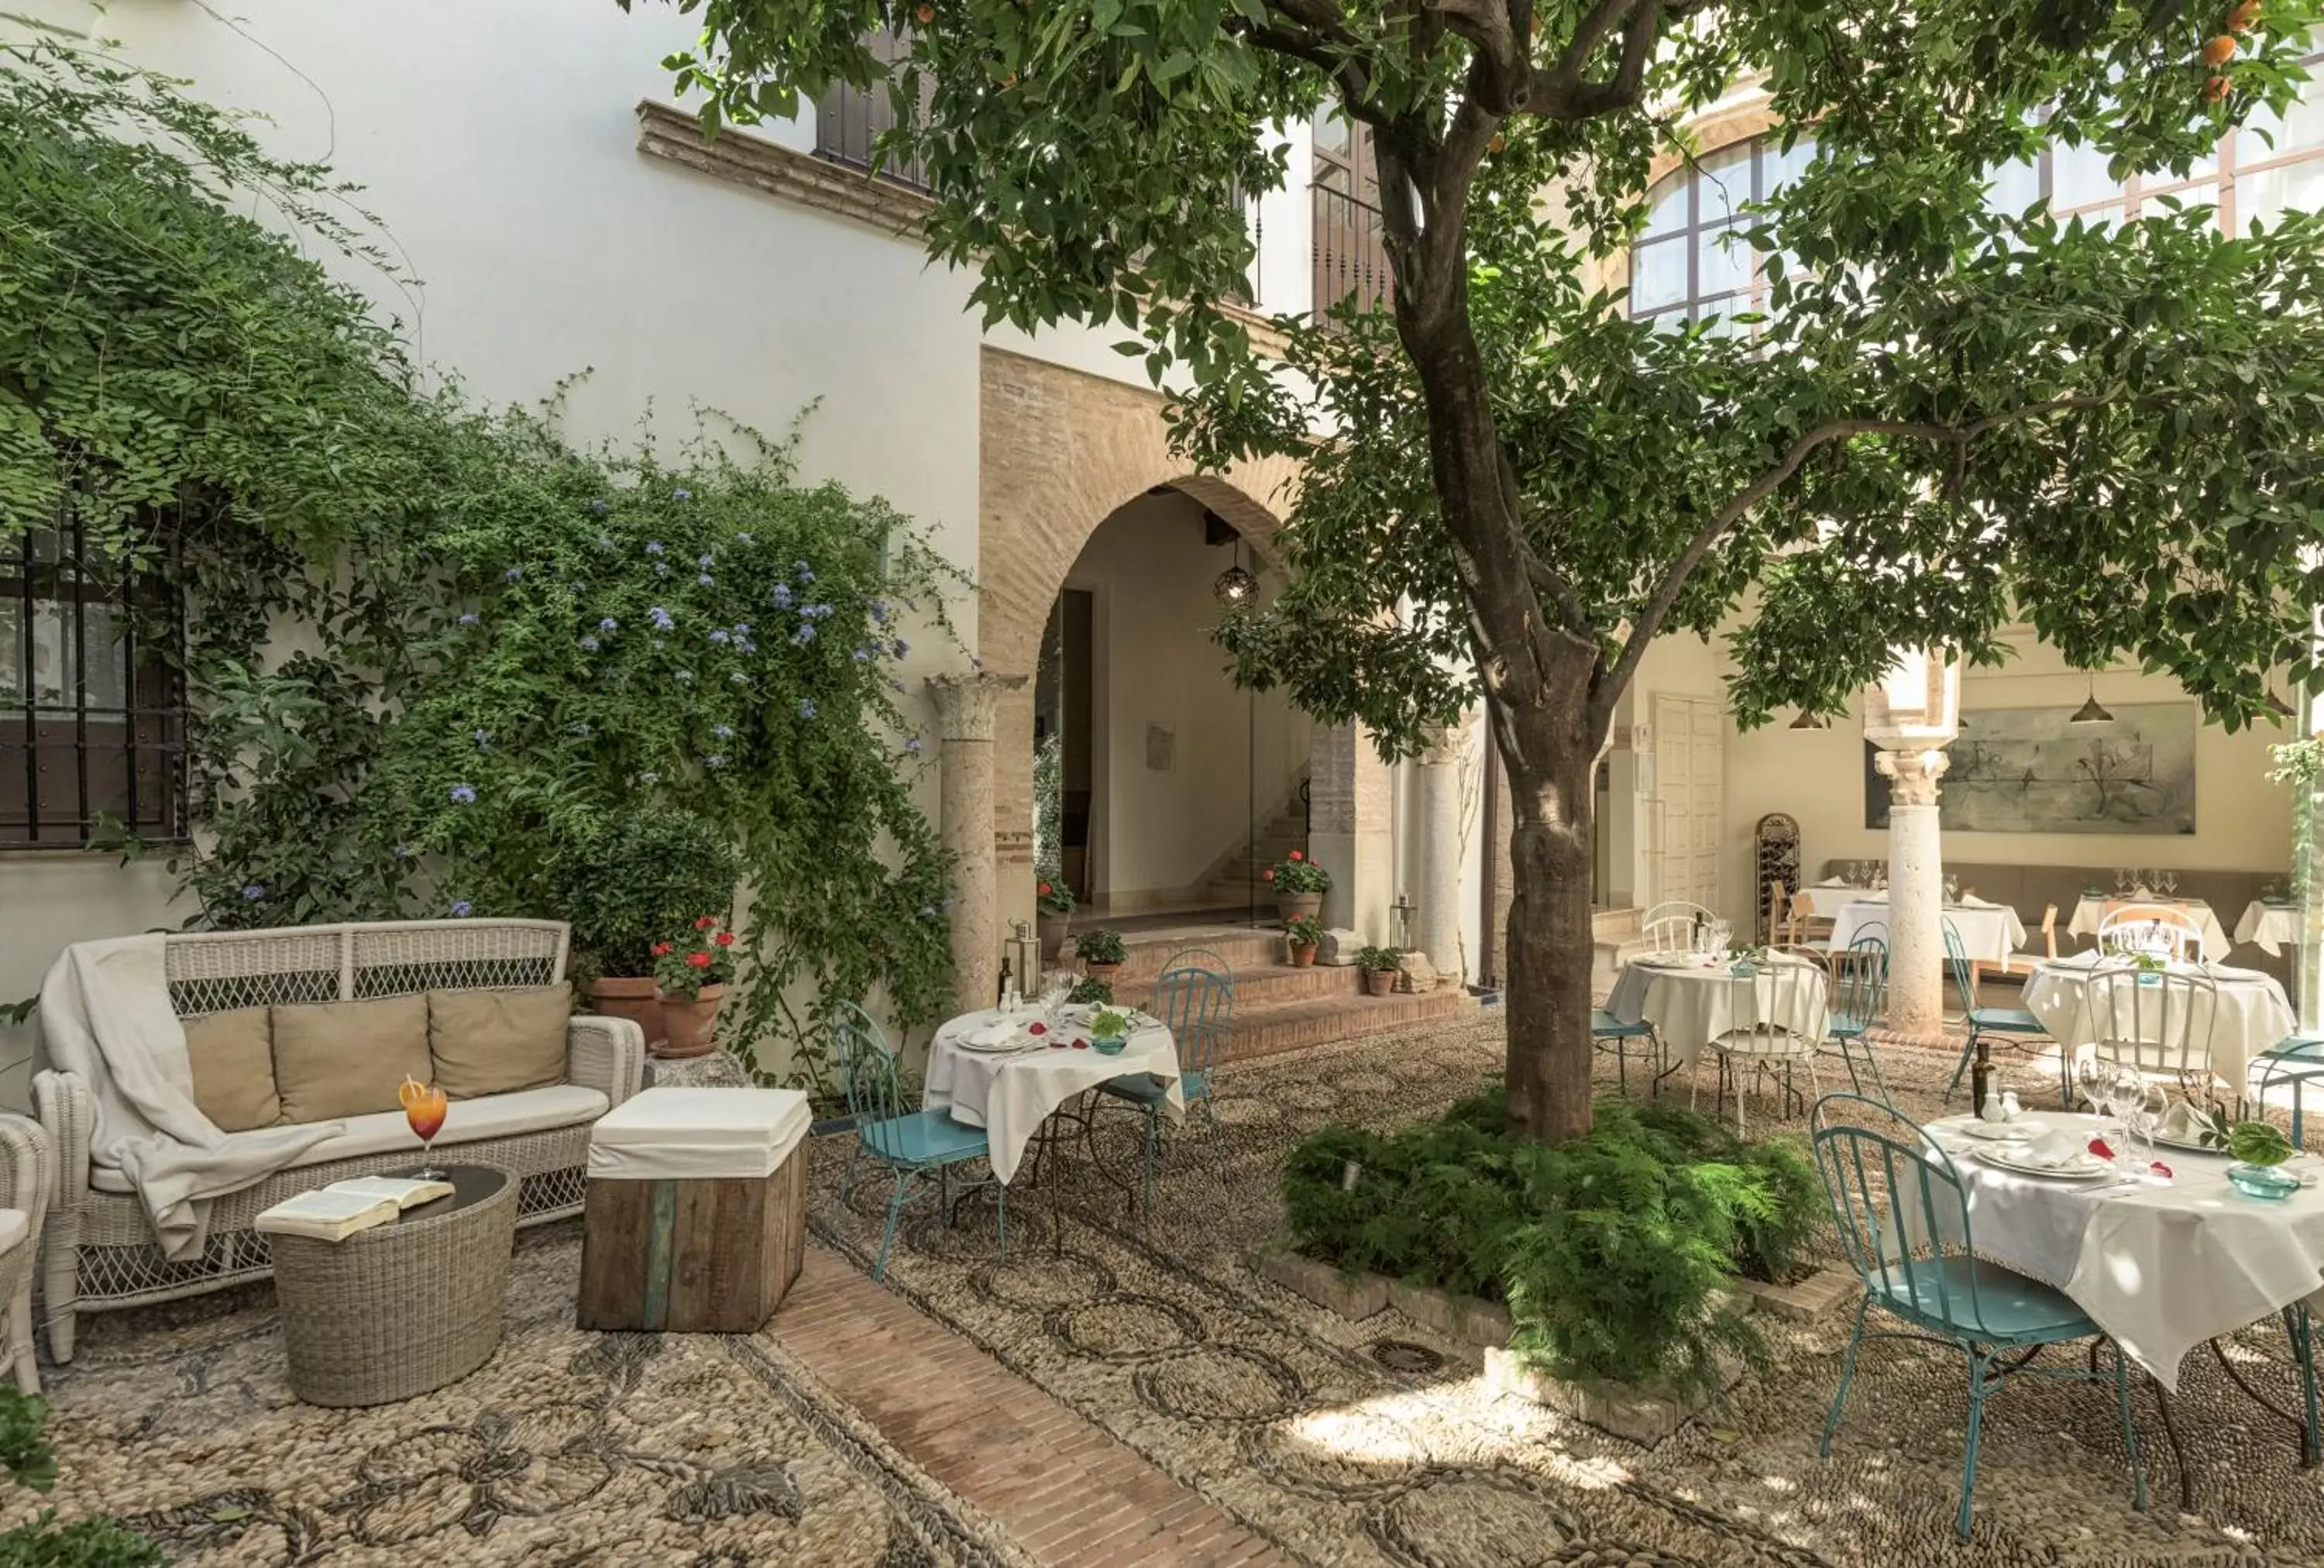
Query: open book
[[337, 1212]]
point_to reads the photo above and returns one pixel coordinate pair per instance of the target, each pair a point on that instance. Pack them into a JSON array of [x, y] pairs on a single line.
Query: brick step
[[1145, 953], [1285, 1026], [1257, 985]]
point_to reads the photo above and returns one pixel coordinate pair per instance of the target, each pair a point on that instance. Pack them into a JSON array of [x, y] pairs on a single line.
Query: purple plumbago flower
[[738, 678], [722, 732], [463, 794], [783, 595], [862, 656], [684, 676], [702, 560], [581, 728], [513, 575], [745, 645], [742, 627], [609, 624], [252, 891], [879, 612], [661, 618], [804, 634], [720, 637], [704, 579], [649, 776], [744, 537], [715, 760], [661, 568], [483, 738], [589, 645], [469, 619], [605, 542], [598, 506], [462, 908], [912, 744], [681, 493], [805, 572], [402, 851], [806, 707], [653, 547], [927, 911]]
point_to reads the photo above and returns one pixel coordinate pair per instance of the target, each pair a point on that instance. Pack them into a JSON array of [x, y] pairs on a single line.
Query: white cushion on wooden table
[[467, 1122], [698, 1134]]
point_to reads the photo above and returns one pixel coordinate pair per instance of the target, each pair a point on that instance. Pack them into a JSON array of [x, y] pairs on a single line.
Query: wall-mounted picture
[[2029, 770]]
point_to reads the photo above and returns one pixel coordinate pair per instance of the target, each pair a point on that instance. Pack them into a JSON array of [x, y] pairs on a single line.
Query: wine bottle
[[1980, 1080]]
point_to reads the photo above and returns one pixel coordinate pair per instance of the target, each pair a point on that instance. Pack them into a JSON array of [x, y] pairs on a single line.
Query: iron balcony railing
[[1350, 254]]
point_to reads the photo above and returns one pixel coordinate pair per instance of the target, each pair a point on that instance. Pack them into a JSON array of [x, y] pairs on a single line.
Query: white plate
[[2001, 1156], [1016, 1042], [2001, 1131]]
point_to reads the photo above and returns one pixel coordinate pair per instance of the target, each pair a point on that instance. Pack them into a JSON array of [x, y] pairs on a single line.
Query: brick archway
[[1060, 451]]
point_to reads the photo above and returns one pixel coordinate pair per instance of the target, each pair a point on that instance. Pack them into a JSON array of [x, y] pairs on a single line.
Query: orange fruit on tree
[[926, 14], [2241, 18], [2220, 50], [2217, 88], [1498, 142]]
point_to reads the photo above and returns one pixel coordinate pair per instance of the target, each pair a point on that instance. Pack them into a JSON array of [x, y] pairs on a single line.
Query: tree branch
[[1610, 685], [1564, 92]]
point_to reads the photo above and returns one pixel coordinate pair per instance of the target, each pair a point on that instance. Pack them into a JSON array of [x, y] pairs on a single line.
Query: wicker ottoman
[[696, 1210], [403, 1307]]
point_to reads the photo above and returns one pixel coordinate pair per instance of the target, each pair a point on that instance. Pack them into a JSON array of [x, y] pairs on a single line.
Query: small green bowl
[[1108, 1045], [2263, 1181]]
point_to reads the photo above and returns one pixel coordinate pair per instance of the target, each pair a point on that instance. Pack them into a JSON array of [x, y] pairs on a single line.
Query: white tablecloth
[[1011, 1095], [2091, 910], [1690, 1000], [2161, 1266], [1989, 933], [1831, 898], [2270, 927], [2254, 1014]]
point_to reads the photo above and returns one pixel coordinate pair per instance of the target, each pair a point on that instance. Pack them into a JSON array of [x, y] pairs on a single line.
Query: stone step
[[1145, 953], [1285, 1026], [1260, 985]]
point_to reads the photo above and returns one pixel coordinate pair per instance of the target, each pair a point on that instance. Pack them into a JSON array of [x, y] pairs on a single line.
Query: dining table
[[2270, 924], [1830, 896], [1009, 1072], [2093, 907], [1990, 933], [1691, 999], [2253, 1015]]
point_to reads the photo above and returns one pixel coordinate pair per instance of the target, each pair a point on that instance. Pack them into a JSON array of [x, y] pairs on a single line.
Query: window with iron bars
[[849, 121], [1350, 239], [92, 708]]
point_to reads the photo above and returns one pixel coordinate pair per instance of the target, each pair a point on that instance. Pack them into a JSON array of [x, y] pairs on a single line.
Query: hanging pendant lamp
[[2092, 710]]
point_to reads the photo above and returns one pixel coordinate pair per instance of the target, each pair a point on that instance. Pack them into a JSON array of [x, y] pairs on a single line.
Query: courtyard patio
[[1120, 1391]]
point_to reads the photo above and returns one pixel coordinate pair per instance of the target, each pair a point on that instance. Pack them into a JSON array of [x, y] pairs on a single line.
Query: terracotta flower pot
[[692, 1021], [633, 997], [1298, 906], [1380, 982], [1105, 972], [1302, 955], [1053, 933]]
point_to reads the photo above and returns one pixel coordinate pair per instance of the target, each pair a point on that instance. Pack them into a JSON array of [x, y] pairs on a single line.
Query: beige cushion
[[347, 1058], [232, 1057], [498, 1042], [467, 1122]]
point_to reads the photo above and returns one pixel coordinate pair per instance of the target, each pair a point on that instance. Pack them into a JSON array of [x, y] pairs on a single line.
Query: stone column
[[1351, 832], [1438, 802], [966, 708], [1917, 892]]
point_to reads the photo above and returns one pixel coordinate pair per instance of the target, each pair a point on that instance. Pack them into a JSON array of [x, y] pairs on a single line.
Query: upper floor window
[[1350, 240], [1693, 262], [849, 121], [92, 713]]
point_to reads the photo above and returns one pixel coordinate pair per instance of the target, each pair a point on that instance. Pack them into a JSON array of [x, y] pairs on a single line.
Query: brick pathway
[[1065, 1490]]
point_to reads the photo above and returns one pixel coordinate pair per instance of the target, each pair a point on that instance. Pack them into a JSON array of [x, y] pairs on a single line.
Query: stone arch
[[1059, 452]]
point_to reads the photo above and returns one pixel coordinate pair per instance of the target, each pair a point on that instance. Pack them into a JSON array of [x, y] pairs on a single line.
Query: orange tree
[[1950, 418]]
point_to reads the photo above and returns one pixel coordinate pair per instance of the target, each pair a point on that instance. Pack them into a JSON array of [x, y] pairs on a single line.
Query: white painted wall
[[1157, 832]]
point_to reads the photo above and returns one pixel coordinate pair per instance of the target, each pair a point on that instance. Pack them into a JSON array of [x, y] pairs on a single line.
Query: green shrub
[[89, 1543], [1612, 1251], [1097, 992], [1099, 946], [630, 885]]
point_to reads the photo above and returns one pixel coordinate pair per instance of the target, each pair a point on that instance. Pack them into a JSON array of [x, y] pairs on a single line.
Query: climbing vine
[[437, 657]]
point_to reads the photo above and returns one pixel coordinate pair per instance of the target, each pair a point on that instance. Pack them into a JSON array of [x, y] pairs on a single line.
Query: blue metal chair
[[1194, 999], [911, 1144], [1860, 995], [1608, 1031], [2015, 1021], [1904, 1223], [2294, 1062]]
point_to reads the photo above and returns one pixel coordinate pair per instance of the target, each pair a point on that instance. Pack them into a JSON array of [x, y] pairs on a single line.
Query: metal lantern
[[1401, 918], [1022, 954]]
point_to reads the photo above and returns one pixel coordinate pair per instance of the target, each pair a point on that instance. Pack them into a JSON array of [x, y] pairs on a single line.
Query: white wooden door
[[1690, 782]]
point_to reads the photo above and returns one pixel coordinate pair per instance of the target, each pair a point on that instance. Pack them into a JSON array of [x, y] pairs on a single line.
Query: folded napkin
[[1833, 883], [998, 1033], [2059, 1151], [1971, 902], [2180, 1123]]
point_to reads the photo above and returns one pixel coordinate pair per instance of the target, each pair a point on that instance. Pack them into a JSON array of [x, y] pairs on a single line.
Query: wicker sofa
[[98, 1245]]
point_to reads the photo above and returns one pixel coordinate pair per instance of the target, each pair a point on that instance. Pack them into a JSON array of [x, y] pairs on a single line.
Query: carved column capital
[[1443, 745], [966, 704], [1911, 775]]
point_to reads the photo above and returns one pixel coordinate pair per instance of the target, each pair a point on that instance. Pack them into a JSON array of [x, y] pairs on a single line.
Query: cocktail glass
[[424, 1108]]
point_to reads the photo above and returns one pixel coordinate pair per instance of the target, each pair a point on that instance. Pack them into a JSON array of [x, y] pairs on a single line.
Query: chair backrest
[[1901, 1211], [1195, 998], [1679, 909], [216, 971], [867, 1072], [1957, 960], [2155, 1022], [1859, 983], [2159, 929], [1778, 1009], [2049, 930], [1802, 916], [1778, 906], [1670, 934]]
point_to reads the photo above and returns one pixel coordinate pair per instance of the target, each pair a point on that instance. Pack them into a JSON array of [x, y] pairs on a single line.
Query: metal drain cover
[[1403, 1356]]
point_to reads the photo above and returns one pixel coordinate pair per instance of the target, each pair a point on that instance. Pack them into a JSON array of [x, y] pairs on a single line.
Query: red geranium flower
[[724, 938], [704, 923], [1045, 890], [699, 960], [1268, 873], [661, 949], [1296, 855]]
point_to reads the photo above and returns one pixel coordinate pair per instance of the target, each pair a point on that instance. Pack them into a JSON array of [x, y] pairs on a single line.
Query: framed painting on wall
[[2029, 770]]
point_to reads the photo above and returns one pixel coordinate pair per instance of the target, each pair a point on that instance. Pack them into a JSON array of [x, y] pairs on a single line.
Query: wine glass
[[2170, 881], [2121, 880], [1952, 890], [424, 1108]]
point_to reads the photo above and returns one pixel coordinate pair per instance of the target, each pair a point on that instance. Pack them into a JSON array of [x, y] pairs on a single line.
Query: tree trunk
[[1551, 942]]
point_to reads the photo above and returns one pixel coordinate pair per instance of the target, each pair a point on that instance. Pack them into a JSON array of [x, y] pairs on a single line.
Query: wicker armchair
[[28, 1179], [97, 1247]]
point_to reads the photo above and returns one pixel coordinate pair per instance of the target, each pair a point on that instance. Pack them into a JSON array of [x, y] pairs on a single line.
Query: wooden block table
[[696, 1214]]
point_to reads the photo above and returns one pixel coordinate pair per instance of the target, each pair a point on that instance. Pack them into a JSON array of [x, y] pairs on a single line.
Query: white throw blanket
[[106, 1015]]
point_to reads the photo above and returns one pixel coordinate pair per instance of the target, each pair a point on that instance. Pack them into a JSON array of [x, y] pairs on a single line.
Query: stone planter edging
[[1827, 1290], [1644, 1416]]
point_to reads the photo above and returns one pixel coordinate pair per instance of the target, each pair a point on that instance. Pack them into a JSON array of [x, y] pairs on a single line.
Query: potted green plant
[[1299, 885], [624, 887], [1302, 933], [691, 972], [1053, 908], [1109, 1032], [1378, 967], [1091, 993], [1101, 952], [2258, 1146]]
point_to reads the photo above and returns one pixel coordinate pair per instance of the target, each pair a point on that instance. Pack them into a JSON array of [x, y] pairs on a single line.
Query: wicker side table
[[404, 1307]]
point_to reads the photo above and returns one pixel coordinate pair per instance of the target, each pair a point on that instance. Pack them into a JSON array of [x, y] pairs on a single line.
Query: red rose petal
[[2099, 1147], [1037, 1028], [2159, 1169], [1081, 1044]]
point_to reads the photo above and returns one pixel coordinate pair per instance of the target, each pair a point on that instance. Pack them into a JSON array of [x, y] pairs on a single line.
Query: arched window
[[1693, 262]]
